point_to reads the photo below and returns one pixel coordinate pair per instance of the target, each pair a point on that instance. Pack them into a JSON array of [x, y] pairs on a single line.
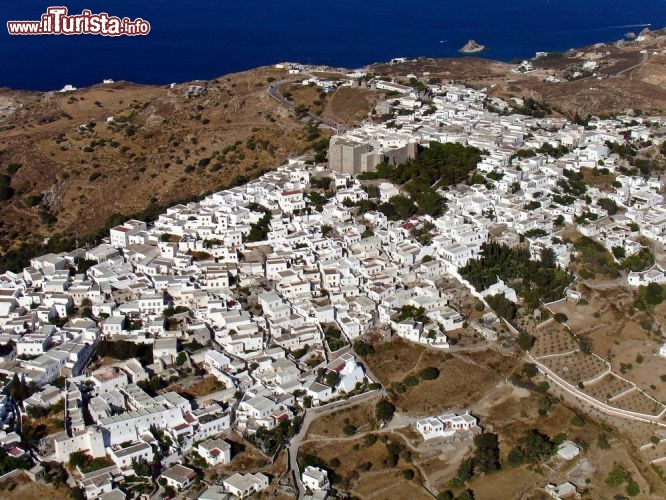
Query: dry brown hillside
[[74, 159]]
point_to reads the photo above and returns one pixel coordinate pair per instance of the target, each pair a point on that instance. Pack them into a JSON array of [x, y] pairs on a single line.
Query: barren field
[[646, 373], [22, 487], [459, 383], [352, 454], [349, 106], [361, 416]]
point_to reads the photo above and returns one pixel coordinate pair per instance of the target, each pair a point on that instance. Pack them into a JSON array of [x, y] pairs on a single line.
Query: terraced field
[[639, 402], [608, 387], [576, 367]]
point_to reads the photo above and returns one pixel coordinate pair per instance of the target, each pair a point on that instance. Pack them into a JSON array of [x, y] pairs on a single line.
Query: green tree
[[429, 373], [466, 470], [466, 495], [617, 475], [602, 442], [181, 358], [525, 340], [404, 207], [486, 455], [332, 378], [384, 410], [349, 430], [363, 348], [632, 489], [530, 369]]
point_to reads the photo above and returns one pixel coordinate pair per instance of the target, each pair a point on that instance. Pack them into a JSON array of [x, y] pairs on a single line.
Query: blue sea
[[204, 39]]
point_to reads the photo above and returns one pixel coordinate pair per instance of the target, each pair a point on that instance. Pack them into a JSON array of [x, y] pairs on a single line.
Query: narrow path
[[310, 415], [274, 92]]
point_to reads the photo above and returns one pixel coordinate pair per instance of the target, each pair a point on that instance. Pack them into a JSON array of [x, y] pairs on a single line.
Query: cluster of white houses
[[447, 426], [261, 316]]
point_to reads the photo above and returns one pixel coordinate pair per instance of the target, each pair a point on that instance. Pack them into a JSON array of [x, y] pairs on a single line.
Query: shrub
[[560, 317], [602, 442], [363, 348], [430, 373], [577, 421], [349, 430], [632, 489]]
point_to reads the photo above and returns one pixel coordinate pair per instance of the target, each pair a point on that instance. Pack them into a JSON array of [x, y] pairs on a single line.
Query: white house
[[123, 457], [215, 451], [179, 477], [568, 450], [165, 348], [315, 479], [349, 370], [445, 425], [244, 485]]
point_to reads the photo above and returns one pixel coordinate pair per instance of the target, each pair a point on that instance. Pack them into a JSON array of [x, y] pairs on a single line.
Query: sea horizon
[[202, 40]]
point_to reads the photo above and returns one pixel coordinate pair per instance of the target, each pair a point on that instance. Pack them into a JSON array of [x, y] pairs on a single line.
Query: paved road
[[274, 92]]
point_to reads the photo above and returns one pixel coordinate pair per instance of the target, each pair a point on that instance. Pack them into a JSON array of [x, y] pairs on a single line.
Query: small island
[[472, 47]]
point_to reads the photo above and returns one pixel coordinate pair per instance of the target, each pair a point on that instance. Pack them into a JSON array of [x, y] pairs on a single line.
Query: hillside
[[70, 161]]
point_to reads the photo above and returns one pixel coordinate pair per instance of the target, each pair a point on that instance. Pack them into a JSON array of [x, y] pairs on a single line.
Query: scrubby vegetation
[[534, 280]]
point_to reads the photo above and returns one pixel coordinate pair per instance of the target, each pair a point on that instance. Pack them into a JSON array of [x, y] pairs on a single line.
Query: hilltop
[[71, 163]]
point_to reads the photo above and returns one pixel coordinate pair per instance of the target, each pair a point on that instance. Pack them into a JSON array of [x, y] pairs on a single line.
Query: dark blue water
[[208, 38]]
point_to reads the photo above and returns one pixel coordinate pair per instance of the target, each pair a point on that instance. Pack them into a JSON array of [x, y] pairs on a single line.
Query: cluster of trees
[[428, 373], [6, 190], [555, 152], [572, 183], [270, 440], [408, 311], [649, 296], [363, 348], [639, 261], [86, 463], [534, 280], [123, 350], [532, 448], [448, 495], [618, 476], [394, 452], [438, 165], [595, 258], [19, 390], [152, 385], [608, 205], [320, 183], [532, 107], [485, 460], [502, 306], [448, 163], [259, 230], [9, 463], [163, 440], [334, 338]]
